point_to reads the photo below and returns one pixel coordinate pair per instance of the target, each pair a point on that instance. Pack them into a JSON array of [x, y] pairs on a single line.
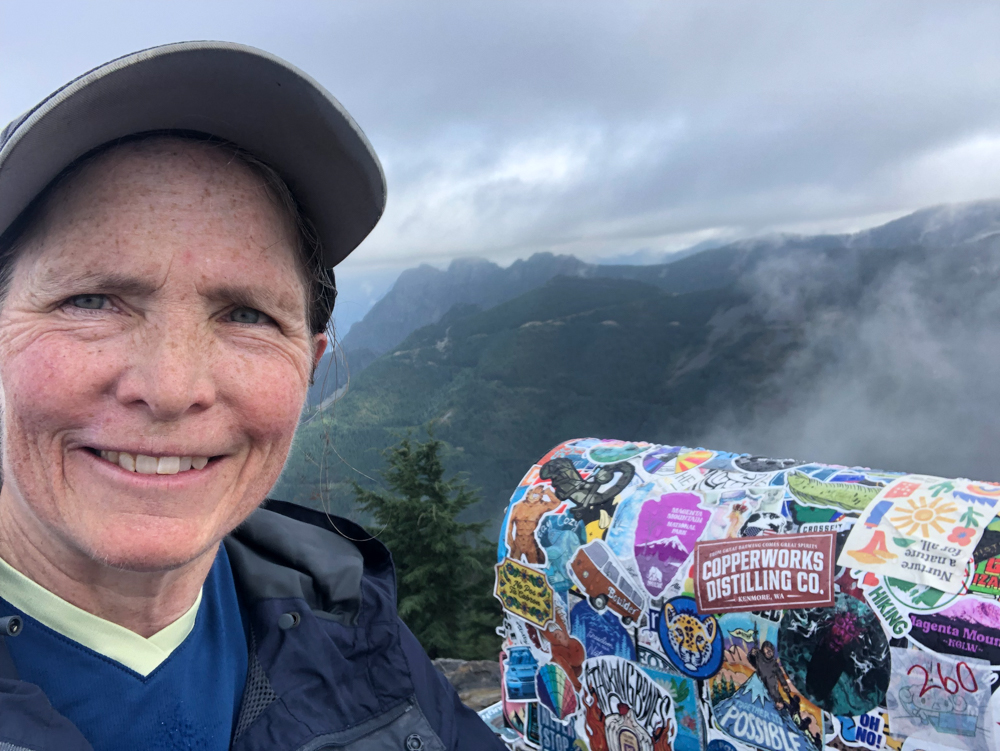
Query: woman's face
[[157, 311]]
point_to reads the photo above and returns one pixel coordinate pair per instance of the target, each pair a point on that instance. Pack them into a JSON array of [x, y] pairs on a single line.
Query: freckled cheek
[[56, 384], [268, 397]]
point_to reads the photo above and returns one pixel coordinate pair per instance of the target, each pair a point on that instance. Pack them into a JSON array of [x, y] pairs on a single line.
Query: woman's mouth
[[152, 465]]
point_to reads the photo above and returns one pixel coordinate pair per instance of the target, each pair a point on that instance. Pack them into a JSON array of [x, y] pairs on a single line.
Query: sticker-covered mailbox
[[667, 598]]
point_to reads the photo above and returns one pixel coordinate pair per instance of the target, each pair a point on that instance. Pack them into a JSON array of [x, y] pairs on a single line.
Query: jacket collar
[[287, 551]]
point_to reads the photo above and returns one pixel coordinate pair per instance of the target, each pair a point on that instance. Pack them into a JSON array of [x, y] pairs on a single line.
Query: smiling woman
[[135, 275], [165, 296]]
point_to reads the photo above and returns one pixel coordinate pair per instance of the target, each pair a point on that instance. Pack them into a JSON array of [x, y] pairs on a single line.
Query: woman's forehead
[[166, 174], [143, 207]]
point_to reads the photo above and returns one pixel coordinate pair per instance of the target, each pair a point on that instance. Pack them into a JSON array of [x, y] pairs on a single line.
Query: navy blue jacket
[[331, 664]]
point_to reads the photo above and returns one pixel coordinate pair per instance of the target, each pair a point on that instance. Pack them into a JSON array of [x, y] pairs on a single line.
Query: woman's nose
[[169, 373]]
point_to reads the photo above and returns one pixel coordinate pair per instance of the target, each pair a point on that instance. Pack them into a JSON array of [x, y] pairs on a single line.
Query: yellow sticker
[[524, 592]]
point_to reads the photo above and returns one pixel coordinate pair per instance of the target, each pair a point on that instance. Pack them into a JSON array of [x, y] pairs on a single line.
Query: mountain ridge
[[422, 295]]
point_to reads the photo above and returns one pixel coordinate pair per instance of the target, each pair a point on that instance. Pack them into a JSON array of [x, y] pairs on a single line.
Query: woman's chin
[[157, 545]]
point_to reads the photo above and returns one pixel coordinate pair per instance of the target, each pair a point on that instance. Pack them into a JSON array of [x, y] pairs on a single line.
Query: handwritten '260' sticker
[[693, 642]]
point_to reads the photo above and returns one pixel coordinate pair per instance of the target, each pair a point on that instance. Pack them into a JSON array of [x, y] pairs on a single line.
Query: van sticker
[[605, 582]]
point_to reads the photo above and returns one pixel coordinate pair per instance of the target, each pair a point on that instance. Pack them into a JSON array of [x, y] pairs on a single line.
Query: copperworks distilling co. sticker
[[769, 571]]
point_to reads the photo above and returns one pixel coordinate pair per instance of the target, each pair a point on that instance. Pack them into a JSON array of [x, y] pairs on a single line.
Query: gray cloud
[[507, 128], [901, 377]]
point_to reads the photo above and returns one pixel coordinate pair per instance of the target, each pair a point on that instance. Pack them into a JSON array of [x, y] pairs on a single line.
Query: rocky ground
[[477, 681]]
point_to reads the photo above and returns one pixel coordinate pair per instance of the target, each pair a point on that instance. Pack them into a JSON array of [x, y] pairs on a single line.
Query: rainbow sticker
[[989, 489], [692, 459], [555, 690]]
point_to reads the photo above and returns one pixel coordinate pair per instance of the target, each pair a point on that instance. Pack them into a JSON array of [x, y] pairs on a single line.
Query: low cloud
[[903, 377]]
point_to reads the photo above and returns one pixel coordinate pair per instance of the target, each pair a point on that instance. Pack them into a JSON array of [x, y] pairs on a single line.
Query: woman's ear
[[320, 342]]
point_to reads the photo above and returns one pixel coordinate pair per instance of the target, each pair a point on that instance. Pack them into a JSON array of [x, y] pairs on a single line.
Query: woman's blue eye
[[247, 315], [90, 302]]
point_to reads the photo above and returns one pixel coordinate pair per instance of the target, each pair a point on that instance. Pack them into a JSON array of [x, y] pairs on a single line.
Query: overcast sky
[[599, 129]]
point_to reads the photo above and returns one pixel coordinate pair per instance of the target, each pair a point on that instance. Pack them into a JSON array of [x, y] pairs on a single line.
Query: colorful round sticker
[[691, 641]]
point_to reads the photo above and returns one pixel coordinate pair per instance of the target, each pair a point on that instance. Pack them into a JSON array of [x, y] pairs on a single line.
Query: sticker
[[837, 657], [592, 497], [522, 521], [555, 735], [601, 633], [555, 691], [652, 658], [986, 556], [719, 480], [524, 592], [918, 598], [940, 699], [493, 717], [764, 463], [625, 708], [520, 667], [938, 510], [864, 731], [772, 571], [766, 523], [881, 550], [692, 459], [969, 628], [848, 496], [665, 535], [922, 530], [893, 617], [753, 701], [660, 459], [566, 651], [691, 641], [610, 452], [986, 578], [560, 535], [684, 692], [732, 509], [603, 578], [919, 561], [519, 715]]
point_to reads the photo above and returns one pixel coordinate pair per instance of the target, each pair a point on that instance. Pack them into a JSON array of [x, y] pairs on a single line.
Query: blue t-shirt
[[190, 701]]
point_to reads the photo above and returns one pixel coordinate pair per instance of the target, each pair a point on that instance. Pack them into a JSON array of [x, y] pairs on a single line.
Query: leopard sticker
[[692, 642]]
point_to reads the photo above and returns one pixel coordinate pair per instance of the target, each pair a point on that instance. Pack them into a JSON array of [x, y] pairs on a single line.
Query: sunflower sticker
[[923, 516], [922, 530], [940, 511]]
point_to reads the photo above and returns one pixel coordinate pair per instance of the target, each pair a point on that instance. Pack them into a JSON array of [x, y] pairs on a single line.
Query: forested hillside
[[754, 358]]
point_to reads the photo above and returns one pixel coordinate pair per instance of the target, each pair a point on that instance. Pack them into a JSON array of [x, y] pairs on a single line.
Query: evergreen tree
[[444, 567]]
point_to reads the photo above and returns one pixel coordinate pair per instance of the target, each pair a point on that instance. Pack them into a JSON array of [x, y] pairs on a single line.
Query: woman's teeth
[[152, 465]]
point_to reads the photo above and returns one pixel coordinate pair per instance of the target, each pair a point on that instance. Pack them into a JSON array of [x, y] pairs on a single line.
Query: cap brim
[[234, 92]]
